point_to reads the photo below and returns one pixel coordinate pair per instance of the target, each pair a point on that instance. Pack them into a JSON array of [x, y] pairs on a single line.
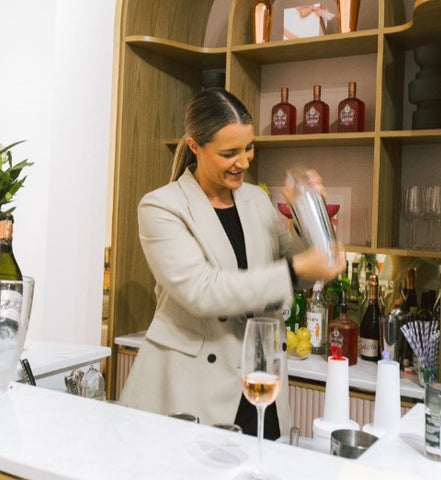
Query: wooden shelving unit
[[160, 57]]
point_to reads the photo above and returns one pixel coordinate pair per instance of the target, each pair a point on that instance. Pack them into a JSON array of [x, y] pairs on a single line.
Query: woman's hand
[[313, 264]]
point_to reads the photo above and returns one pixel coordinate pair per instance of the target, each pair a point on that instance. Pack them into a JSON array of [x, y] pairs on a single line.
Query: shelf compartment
[[422, 29], [326, 46], [200, 57]]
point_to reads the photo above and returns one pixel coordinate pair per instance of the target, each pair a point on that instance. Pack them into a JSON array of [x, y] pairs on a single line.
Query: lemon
[[303, 334], [303, 348], [291, 342]]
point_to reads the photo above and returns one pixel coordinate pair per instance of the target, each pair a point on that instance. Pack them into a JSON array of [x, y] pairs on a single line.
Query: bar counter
[[49, 435]]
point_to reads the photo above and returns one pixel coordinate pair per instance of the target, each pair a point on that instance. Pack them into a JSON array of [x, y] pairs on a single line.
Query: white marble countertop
[[49, 435], [363, 375], [52, 358]]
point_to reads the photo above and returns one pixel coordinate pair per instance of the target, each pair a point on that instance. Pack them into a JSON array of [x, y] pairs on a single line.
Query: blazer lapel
[[209, 229]]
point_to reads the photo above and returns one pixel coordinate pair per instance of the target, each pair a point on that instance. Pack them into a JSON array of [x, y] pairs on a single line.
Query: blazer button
[[211, 358], [222, 319]]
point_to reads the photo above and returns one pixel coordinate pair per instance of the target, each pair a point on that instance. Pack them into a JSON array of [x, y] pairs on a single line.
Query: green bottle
[[9, 269], [294, 315]]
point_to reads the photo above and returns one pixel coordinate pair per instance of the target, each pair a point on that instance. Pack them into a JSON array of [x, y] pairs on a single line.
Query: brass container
[[262, 21], [348, 15]]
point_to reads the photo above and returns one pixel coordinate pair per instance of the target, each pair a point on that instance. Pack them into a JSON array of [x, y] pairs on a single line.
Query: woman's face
[[222, 162]]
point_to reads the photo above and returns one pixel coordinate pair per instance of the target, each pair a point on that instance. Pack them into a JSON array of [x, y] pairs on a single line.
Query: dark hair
[[208, 112]]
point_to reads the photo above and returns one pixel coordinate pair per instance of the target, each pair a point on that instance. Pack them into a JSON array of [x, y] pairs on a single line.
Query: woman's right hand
[[313, 264]]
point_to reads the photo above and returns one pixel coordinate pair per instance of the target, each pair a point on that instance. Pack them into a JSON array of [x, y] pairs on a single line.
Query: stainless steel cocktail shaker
[[310, 216]]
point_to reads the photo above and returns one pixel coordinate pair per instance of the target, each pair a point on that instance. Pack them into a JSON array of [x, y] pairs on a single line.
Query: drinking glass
[[411, 209], [434, 209], [262, 372], [15, 307]]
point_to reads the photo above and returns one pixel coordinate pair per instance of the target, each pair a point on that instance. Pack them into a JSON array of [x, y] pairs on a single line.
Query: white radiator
[[124, 362]]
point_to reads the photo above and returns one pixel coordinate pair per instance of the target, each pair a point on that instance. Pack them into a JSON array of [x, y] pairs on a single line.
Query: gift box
[[305, 21]]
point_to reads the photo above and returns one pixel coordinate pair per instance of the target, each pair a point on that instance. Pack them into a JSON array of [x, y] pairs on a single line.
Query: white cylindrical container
[[387, 410], [336, 410]]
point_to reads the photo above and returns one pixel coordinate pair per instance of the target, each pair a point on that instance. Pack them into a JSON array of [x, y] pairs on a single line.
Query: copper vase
[[348, 15], [262, 21]]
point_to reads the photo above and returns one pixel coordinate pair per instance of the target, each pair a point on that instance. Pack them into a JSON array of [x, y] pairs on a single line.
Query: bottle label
[[314, 322], [312, 117], [347, 115], [369, 347], [433, 438], [10, 310], [280, 119]]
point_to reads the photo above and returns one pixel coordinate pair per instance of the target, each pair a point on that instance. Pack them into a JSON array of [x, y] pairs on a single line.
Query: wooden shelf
[[412, 136], [200, 57], [422, 29], [303, 140], [326, 46]]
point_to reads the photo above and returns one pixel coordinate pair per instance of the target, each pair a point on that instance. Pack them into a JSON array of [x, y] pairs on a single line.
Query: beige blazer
[[190, 359]]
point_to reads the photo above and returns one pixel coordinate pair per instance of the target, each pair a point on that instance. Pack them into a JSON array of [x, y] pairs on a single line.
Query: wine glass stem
[[260, 424]]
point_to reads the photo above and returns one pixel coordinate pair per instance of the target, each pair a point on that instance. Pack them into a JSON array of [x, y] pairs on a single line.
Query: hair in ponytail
[[208, 112]]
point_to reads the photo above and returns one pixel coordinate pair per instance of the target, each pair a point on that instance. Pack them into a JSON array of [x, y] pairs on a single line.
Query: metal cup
[[350, 443]]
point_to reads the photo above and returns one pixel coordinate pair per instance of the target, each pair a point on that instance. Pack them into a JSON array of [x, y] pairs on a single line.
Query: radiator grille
[[125, 359]]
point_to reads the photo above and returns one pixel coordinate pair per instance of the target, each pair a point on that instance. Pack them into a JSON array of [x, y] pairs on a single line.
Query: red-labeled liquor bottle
[[370, 325], [351, 112], [343, 332], [283, 115], [316, 114]]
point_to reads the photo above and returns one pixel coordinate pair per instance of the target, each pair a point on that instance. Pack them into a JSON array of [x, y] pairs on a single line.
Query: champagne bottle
[[370, 325], [317, 318], [9, 269], [355, 296]]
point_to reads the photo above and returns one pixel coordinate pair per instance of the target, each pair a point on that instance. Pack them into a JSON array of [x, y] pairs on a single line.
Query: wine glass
[[262, 371], [411, 208]]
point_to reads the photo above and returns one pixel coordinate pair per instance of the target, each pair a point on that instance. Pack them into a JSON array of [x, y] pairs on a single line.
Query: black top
[[246, 416]]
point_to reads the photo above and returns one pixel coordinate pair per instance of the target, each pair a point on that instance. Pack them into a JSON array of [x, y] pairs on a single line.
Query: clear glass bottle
[[370, 325], [432, 404], [316, 114], [283, 115], [351, 112], [9, 269], [355, 296], [317, 319]]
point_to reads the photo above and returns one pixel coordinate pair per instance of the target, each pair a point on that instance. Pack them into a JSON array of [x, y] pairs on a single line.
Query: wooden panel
[[179, 20]]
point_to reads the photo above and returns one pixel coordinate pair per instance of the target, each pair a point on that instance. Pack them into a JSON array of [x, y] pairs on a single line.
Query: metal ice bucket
[[310, 217], [350, 443]]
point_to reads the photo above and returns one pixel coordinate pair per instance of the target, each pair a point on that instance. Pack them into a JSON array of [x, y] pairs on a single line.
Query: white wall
[[55, 90]]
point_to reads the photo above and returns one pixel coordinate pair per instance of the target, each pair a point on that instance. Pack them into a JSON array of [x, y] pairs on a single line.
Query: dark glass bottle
[[370, 325], [316, 114], [410, 306], [283, 116], [425, 312], [294, 315], [9, 269], [354, 297], [344, 331], [351, 112]]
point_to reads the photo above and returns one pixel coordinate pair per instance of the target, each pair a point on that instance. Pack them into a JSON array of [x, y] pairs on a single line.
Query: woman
[[219, 253]]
